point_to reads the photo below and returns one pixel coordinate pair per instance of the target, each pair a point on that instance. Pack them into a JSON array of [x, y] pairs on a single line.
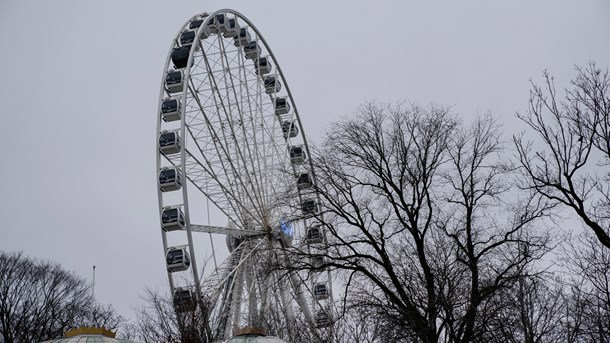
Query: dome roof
[[88, 335], [255, 339], [88, 339], [253, 334]]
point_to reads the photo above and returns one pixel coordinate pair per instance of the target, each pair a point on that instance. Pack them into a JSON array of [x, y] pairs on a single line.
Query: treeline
[[450, 231], [39, 300]]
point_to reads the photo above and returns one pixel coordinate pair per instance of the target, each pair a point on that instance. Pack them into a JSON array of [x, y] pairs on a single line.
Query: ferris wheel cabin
[[219, 24], [282, 106], [187, 38], [184, 300], [170, 109], [289, 129], [304, 181], [172, 219], [233, 242], [252, 50], [177, 259], [180, 57], [315, 235], [272, 84], [318, 263], [233, 30], [170, 179], [263, 65], [174, 81], [195, 23], [297, 154], [322, 319], [169, 142], [320, 291], [243, 37], [310, 206]]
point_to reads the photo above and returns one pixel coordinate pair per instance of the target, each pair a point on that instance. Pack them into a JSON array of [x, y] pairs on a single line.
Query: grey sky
[[81, 81]]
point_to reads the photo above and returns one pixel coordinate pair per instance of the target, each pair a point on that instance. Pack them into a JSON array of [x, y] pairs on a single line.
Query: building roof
[[255, 339], [88, 339], [88, 335], [253, 334]]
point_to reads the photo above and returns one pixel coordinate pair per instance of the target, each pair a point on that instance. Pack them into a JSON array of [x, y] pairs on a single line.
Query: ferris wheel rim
[[183, 125]]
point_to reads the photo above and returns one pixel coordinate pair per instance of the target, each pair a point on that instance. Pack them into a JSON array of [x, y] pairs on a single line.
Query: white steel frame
[[234, 155]]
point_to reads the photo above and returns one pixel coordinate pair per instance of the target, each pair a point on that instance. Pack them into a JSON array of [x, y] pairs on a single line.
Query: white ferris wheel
[[235, 184]]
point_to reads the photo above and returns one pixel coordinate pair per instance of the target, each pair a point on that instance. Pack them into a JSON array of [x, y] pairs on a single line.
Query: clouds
[[81, 81]]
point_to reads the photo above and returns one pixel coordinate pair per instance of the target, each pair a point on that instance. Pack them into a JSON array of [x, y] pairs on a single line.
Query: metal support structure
[[235, 156]]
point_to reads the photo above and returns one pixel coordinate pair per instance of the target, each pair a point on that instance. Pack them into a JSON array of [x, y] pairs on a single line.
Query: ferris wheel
[[235, 183]]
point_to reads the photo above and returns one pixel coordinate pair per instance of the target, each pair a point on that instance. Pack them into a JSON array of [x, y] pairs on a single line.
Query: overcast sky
[[80, 85]]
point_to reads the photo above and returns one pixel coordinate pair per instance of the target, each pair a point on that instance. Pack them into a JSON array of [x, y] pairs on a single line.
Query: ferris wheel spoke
[[223, 311], [226, 231], [244, 84], [228, 165], [243, 144], [230, 285], [254, 124], [241, 149], [232, 177], [235, 260], [195, 172], [256, 134], [197, 168]]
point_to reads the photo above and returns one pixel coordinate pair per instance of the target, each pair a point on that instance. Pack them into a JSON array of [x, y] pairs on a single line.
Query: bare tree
[[531, 311], [588, 315], [571, 166], [375, 174], [40, 300], [489, 222], [102, 316], [422, 218], [156, 320], [359, 326]]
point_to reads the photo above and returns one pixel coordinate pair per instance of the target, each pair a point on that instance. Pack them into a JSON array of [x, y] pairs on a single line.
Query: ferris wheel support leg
[[252, 299], [296, 283], [226, 301], [285, 297], [265, 287], [235, 303]]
